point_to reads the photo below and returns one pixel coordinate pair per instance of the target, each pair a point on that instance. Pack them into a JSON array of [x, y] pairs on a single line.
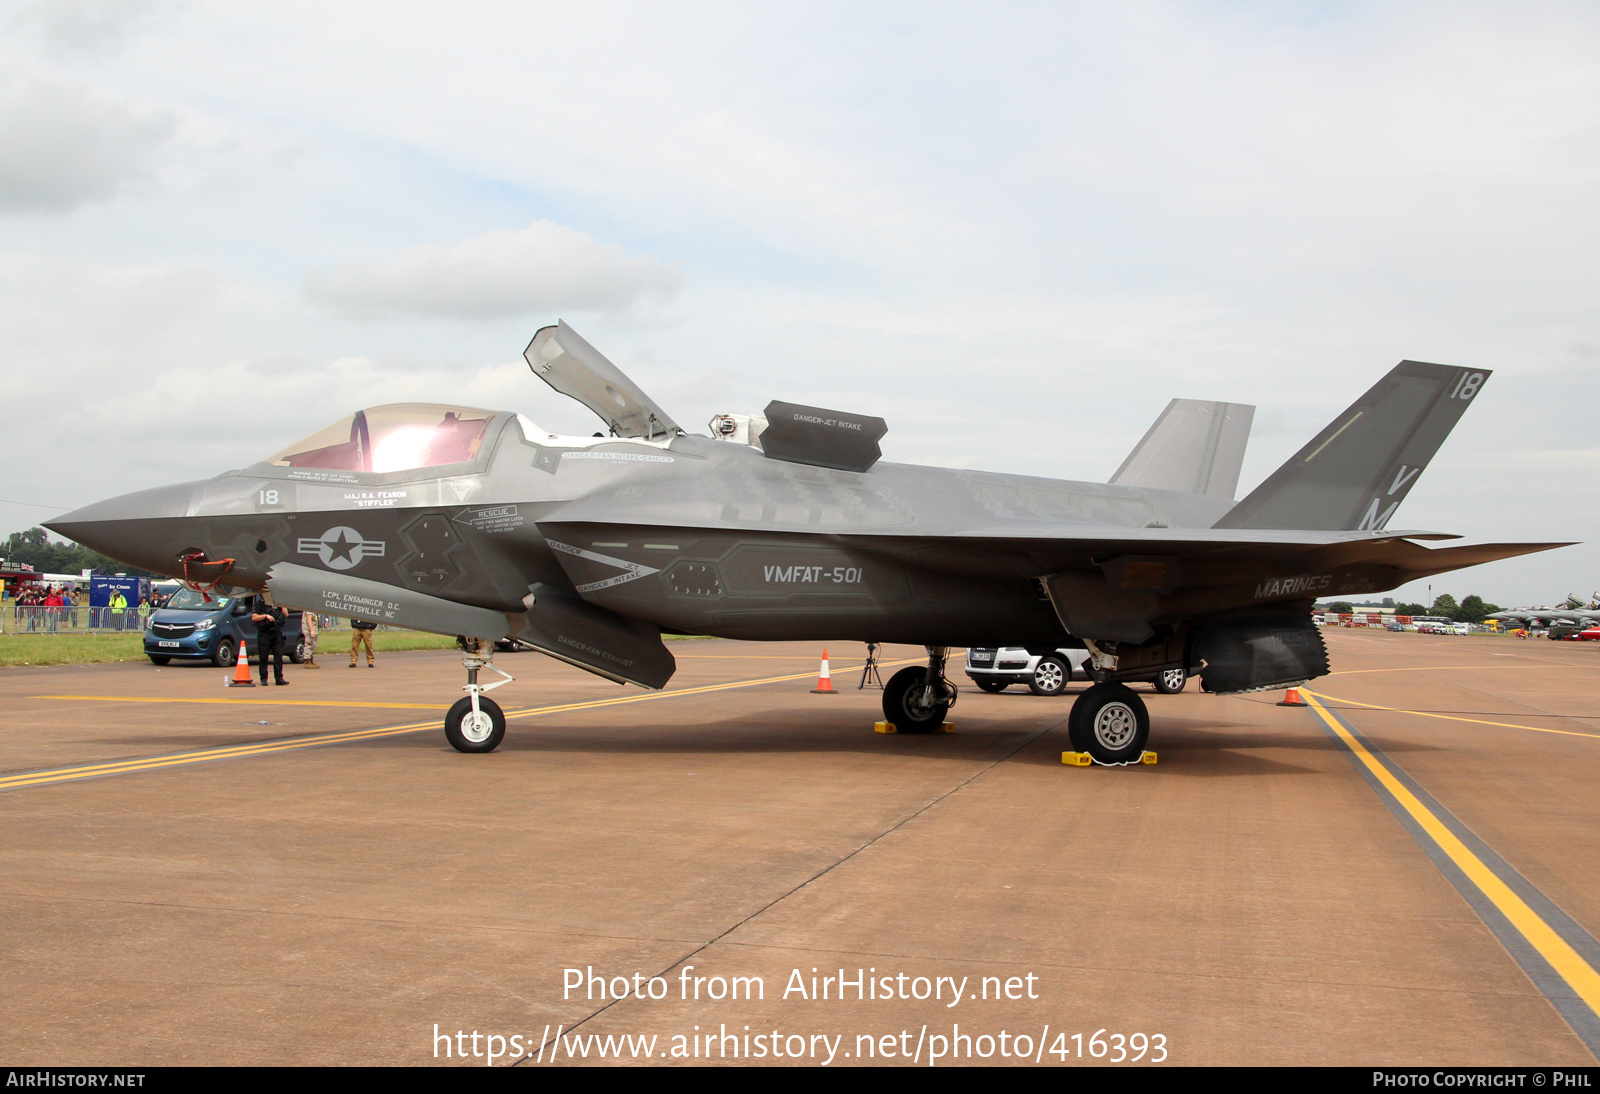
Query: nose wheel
[[917, 699], [476, 723], [479, 730]]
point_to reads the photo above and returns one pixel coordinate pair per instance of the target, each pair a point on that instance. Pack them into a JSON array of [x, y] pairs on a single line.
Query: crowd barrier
[[22, 619]]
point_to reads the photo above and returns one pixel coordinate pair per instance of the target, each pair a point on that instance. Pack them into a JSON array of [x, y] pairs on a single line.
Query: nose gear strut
[[476, 723]]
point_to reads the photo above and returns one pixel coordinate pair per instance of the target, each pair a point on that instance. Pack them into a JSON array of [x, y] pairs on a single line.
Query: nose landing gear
[[476, 723], [917, 699]]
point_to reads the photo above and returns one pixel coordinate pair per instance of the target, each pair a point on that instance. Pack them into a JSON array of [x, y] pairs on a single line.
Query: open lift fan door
[[562, 359]]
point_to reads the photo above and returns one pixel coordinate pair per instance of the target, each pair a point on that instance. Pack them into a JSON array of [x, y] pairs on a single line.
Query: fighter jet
[[788, 525]]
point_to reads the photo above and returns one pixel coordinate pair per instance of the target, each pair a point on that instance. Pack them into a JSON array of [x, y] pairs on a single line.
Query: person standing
[[270, 621], [308, 627], [119, 608], [361, 631]]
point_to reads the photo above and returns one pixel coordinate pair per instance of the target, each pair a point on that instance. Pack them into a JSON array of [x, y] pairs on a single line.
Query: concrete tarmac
[[225, 891]]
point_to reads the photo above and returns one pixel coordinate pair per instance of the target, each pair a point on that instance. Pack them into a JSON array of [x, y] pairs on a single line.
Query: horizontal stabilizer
[[1195, 447], [1356, 472]]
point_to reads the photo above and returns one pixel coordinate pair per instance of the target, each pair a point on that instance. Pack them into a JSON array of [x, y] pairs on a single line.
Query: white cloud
[[84, 25], [543, 268], [62, 147]]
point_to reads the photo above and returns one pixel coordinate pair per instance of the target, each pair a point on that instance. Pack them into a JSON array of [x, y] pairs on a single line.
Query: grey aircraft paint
[[587, 548]]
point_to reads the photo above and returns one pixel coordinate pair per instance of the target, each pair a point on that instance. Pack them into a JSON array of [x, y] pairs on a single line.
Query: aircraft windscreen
[[190, 600], [398, 437]]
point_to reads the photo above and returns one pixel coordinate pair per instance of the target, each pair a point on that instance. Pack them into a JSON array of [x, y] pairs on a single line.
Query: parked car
[[194, 627], [1048, 673]]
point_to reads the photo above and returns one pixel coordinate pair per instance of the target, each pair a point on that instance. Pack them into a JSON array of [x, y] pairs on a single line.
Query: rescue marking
[[1547, 945]]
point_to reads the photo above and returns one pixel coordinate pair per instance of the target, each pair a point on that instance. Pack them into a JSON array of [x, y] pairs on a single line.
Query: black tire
[[225, 654], [1050, 676], [906, 703], [297, 656], [1171, 681], [159, 659], [1110, 723], [990, 685], [485, 737]]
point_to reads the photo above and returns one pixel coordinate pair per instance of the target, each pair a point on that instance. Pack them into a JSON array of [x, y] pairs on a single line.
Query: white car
[[995, 669]]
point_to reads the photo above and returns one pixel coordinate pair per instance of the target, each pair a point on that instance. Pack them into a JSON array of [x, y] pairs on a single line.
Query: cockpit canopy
[[397, 437]]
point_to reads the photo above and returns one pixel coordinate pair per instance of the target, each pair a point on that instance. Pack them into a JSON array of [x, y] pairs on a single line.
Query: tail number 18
[[1467, 385]]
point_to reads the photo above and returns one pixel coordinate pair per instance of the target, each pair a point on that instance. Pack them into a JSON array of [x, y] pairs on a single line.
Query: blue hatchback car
[[194, 628]]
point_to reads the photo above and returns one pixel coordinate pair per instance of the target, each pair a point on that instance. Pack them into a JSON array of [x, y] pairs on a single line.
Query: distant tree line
[[1474, 609], [35, 548]]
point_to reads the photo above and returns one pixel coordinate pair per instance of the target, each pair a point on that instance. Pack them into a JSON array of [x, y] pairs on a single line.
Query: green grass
[[70, 649], [93, 649]]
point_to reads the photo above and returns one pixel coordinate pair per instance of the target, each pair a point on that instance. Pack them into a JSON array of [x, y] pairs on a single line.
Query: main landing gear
[[917, 699], [476, 723], [1110, 723]]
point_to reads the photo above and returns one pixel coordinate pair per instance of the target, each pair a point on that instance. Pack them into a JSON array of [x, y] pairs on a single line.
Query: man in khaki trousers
[[361, 631], [308, 627]]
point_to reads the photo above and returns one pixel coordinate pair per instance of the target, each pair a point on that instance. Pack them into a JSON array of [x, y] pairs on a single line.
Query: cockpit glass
[[398, 437], [192, 600]]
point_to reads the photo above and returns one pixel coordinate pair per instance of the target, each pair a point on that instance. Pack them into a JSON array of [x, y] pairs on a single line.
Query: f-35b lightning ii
[[479, 524]]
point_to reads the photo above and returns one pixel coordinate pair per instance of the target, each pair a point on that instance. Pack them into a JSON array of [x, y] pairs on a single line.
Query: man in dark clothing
[[270, 621]]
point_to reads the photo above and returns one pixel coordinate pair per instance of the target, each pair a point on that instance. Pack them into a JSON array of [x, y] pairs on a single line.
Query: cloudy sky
[[1013, 230]]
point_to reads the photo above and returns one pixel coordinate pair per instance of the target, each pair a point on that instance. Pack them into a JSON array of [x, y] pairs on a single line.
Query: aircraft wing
[[1106, 582]]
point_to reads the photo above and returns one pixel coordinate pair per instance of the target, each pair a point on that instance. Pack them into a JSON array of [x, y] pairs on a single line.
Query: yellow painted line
[[149, 763], [247, 702], [1478, 668], [1415, 668], [1561, 957], [1459, 718]]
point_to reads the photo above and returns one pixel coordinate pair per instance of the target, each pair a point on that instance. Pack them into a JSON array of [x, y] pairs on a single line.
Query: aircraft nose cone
[[135, 528]]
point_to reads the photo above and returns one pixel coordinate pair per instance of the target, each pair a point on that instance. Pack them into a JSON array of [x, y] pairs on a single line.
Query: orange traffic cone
[[824, 679], [1291, 698], [241, 669]]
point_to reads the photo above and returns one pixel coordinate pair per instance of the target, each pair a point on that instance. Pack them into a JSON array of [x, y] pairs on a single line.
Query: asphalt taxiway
[[194, 875]]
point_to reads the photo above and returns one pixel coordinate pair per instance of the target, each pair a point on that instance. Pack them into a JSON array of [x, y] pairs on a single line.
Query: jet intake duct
[[605, 643], [1260, 651], [357, 598]]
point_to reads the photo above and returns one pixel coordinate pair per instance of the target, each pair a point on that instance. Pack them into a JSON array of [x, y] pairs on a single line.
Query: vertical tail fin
[[1195, 447], [1357, 471]]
